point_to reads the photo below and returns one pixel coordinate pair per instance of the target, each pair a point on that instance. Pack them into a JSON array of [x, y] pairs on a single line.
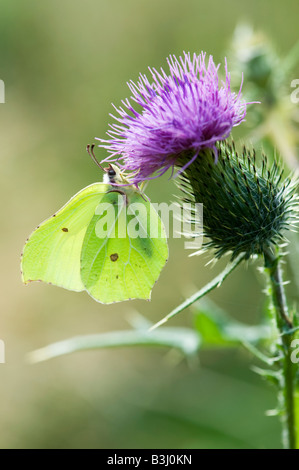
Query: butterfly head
[[114, 175]]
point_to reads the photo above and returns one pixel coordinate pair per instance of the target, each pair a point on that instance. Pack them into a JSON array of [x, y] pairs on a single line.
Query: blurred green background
[[63, 64]]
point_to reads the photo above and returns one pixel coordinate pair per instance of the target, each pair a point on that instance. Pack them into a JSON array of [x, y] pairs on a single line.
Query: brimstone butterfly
[[86, 245]]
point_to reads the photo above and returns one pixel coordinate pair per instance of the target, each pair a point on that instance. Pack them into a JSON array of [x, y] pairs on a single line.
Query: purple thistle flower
[[181, 114]]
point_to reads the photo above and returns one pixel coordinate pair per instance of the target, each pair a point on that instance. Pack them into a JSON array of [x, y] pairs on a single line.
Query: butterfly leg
[[122, 194]]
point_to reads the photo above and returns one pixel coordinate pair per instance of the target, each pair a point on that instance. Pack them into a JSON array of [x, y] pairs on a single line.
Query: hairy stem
[[285, 327]]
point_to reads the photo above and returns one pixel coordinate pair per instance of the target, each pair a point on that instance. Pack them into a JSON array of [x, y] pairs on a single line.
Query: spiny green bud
[[246, 208]]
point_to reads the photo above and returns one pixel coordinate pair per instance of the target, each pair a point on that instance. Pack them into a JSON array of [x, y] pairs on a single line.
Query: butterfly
[[100, 243]]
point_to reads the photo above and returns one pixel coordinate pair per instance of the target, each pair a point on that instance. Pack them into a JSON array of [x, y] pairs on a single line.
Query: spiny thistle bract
[[246, 208], [185, 110]]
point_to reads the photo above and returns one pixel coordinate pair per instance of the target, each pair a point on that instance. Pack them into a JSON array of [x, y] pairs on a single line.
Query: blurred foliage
[[268, 80], [63, 63], [217, 329]]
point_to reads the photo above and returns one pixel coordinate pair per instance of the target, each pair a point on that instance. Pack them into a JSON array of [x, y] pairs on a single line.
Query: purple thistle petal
[[185, 111]]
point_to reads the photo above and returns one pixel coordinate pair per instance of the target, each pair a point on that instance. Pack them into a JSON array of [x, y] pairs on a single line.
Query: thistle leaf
[[183, 339]]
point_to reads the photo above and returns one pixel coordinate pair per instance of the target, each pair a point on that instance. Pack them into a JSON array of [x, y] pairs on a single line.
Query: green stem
[[216, 282], [285, 328], [184, 339]]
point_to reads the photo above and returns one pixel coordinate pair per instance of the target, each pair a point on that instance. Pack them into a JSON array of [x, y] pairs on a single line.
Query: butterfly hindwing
[[126, 262]]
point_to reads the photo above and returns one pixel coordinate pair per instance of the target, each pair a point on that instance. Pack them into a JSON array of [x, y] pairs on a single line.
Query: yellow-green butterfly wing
[[128, 261], [52, 252], [87, 246]]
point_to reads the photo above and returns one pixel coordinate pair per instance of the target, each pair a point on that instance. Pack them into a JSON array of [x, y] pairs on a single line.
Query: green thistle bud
[[246, 208]]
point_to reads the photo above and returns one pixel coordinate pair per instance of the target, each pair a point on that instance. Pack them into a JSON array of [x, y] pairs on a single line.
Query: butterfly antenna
[[89, 150]]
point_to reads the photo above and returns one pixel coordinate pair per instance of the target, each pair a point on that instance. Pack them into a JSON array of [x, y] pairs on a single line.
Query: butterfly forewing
[[52, 252]]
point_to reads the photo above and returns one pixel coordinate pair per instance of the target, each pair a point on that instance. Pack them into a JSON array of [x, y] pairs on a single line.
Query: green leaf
[[270, 375], [218, 329], [184, 339]]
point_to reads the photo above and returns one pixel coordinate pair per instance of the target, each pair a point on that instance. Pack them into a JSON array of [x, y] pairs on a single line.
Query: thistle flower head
[[246, 208], [179, 113]]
